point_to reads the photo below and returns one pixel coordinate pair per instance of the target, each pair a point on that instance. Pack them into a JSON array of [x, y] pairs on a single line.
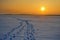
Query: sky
[[30, 6]]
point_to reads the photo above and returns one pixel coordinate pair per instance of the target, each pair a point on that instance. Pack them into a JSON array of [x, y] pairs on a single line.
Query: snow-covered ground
[[24, 27]]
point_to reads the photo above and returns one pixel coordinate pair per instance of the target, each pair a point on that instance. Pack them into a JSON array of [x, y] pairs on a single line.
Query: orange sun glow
[[42, 8]]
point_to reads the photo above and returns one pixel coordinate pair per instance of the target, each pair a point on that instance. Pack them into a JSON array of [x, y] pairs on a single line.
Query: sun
[[42, 8]]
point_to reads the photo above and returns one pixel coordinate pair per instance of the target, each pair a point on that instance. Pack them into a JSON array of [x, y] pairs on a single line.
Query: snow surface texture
[[18, 27]]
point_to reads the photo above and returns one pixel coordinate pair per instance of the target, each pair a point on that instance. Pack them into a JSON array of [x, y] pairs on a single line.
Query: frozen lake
[[24, 27]]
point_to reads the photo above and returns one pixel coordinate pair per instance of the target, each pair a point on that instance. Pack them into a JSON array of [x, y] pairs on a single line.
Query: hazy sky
[[30, 6]]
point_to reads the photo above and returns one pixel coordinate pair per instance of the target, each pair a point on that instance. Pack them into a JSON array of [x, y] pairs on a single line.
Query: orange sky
[[30, 6]]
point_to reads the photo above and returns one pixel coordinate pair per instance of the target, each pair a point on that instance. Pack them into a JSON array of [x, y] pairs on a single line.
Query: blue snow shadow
[[28, 34]]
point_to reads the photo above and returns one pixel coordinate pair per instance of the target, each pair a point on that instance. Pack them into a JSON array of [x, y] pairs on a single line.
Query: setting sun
[[42, 8]]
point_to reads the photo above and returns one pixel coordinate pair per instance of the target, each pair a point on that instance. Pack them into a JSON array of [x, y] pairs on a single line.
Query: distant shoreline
[[29, 14]]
